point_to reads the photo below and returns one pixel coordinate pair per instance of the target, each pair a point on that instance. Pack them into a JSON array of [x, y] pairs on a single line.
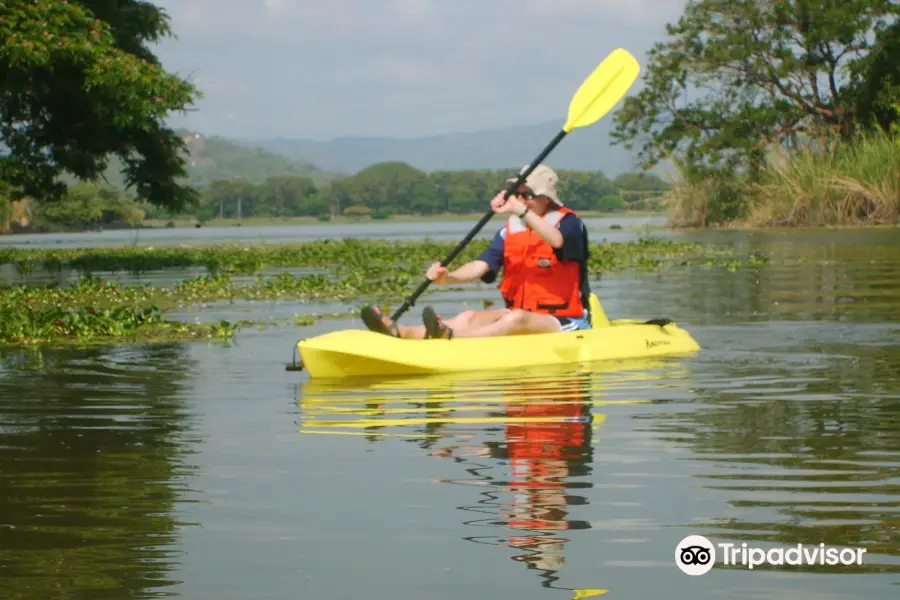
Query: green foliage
[[850, 182], [853, 181], [94, 309], [86, 313], [79, 83], [739, 83], [642, 182], [877, 95], [82, 206], [610, 203], [343, 261], [86, 205], [394, 188], [357, 210], [738, 78], [5, 210]]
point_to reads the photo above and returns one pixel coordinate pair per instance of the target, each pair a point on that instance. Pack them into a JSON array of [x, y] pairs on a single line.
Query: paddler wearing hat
[[542, 250]]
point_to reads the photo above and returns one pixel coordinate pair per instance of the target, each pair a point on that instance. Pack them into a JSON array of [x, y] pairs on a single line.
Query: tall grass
[[834, 182], [704, 202]]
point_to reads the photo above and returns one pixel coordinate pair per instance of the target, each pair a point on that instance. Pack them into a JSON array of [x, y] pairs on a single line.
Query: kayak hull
[[362, 353]]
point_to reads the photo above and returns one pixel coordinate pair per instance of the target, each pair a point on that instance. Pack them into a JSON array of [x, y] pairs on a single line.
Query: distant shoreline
[[346, 220]]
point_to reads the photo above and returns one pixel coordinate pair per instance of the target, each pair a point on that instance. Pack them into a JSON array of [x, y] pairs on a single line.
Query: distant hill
[[213, 157], [586, 149]]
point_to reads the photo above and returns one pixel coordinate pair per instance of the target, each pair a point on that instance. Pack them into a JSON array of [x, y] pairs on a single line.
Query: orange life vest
[[541, 456], [534, 279]]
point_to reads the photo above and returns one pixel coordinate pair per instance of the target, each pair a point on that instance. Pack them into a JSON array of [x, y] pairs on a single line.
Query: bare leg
[[515, 322], [412, 332], [464, 321]]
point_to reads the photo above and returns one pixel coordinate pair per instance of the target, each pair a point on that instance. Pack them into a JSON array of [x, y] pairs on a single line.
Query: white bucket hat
[[542, 182]]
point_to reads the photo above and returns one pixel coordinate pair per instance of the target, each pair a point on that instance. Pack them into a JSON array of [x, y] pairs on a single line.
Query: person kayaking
[[543, 252]]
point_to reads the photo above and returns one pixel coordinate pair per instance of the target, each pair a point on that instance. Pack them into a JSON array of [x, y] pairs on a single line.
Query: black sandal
[[376, 321], [434, 327]]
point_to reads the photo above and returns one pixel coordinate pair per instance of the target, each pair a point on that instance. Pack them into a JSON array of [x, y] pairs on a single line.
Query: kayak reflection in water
[[543, 252], [547, 442]]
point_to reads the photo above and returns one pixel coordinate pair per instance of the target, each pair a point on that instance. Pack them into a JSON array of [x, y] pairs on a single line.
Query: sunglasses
[[526, 194]]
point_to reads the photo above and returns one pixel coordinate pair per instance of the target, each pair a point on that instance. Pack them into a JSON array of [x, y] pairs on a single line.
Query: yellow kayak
[[359, 352]]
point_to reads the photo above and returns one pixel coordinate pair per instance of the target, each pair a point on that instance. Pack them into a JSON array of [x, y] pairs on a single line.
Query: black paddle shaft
[[411, 300]]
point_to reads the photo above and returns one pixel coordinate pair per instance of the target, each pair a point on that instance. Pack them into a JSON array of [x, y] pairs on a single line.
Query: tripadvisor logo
[[696, 555]]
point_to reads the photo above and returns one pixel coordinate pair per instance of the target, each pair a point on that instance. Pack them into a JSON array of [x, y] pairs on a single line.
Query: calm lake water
[[202, 470], [435, 230]]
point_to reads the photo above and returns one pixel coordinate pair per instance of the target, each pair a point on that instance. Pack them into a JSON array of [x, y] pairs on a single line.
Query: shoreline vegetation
[[95, 308], [849, 183], [385, 191], [351, 220]]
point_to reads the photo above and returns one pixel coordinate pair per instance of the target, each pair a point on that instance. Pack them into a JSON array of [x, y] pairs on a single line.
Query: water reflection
[[525, 442], [838, 276], [783, 448], [546, 448], [92, 455]]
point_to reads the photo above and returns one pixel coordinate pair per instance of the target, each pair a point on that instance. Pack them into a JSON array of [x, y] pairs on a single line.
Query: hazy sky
[[328, 68]]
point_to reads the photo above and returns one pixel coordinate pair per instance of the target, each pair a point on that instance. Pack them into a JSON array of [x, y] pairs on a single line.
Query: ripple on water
[[808, 452], [92, 464]]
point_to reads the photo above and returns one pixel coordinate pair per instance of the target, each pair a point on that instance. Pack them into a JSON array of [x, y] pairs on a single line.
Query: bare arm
[[548, 232], [466, 273]]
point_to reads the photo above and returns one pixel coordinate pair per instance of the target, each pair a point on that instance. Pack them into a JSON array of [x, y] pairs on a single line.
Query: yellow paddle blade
[[579, 594], [603, 89]]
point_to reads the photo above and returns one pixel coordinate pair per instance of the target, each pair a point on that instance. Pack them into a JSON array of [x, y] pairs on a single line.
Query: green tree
[[285, 195], [878, 93], [78, 85], [644, 182], [232, 198], [390, 185], [610, 203], [740, 76], [580, 190], [87, 205]]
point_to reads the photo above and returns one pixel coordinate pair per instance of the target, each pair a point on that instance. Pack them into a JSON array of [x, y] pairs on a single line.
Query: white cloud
[[311, 68], [413, 10]]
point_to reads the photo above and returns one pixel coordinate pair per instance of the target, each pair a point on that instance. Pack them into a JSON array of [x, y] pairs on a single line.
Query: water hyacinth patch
[[349, 257], [353, 271]]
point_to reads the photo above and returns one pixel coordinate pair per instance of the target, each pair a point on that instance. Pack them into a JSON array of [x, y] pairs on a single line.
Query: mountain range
[[211, 157], [586, 149]]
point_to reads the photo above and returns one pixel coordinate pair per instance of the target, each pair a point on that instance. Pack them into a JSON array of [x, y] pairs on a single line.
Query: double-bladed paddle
[[595, 97]]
